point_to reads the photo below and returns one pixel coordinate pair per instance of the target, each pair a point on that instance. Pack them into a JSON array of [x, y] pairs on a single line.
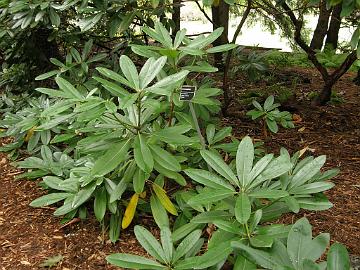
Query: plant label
[[187, 92]]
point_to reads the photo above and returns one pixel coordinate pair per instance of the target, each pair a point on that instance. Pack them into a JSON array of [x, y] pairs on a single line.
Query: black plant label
[[187, 92]]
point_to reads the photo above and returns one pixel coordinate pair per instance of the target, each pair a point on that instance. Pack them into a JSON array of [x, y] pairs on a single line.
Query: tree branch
[[204, 12]]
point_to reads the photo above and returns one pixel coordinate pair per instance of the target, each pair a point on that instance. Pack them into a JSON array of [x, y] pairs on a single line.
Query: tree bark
[[220, 18], [321, 27], [334, 27], [176, 16]]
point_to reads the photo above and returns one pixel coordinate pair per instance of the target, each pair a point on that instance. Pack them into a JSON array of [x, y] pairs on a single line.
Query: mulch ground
[[30, 235]]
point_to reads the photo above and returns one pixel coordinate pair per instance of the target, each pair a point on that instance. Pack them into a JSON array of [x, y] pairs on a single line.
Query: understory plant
[[118, 142], [270, 115]]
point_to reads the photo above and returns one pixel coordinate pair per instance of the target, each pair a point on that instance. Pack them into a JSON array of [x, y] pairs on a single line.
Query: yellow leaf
[[142, 195], [130, 211], [30, 133], [164, 199], [2, 129]]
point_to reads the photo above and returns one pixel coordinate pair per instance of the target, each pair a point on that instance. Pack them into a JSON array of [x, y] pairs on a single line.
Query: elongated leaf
[[312, 188], [114, 227], [242, 263], [168, 81], [260, 166], [210, 216], [111, 159], [262, 258], [167, 243], [222, 48], [100, 204], [130, 211], [159, 213], [307, 172], [49, 199], [338, 258], [242, 208], [244, 160], [211, 196], [299, 241], [83, 195], [139, 180], [128, 68], [186, 244], [133, 261], [142, 154], [268, 194], [318, 246], [164, 199], [164, 158], [208, 179], [68, 88], [118, 191], [150, 70], [114, 76], [261, 241], [219, 166], [149, 243], [113, 88]]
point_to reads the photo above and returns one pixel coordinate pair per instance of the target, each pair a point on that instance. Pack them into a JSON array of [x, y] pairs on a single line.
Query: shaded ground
[[28, 235]]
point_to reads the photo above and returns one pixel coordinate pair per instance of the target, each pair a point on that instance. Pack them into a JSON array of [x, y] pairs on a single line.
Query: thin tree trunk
[[220, 18], [334, 27], [321, 27], [176, 16], [229, 56]]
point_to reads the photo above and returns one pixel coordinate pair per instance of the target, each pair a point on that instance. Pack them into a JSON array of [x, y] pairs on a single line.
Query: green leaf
[[210, 216], [46, 75], [142, 154], [318, 246], [114, 227], [299, 241], [149, 243], [133, 261], [261, 241], [89, 22], [164, 199], [114, 76], [202, 41], [244, 160], [139, 180], [83, 195], [312, 188], [269, 194], [186, 245], [208, 179], [126, 22], [167, 243], [338, 258], [260, 166], [167, 82], [118, 191], [307, 172], [242, 263], [49, 199], [129, 70], [159, 213], [100, 204], [111, 159], [261, 257], [68, 88], [210, 196], [113, 88], [150, 70], [222, 48], [242, 208], [165, 159], [219, 166]]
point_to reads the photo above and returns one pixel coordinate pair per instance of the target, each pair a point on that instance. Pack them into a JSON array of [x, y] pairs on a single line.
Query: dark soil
[[28, 236]]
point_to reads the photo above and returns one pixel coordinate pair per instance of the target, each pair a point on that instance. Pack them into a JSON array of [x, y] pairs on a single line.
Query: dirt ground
[[30, 235]]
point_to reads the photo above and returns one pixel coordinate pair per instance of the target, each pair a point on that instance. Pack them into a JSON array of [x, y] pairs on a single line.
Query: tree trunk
[[325, 94], [321, 27], [334, 27], [176, 16], [220, 18]]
